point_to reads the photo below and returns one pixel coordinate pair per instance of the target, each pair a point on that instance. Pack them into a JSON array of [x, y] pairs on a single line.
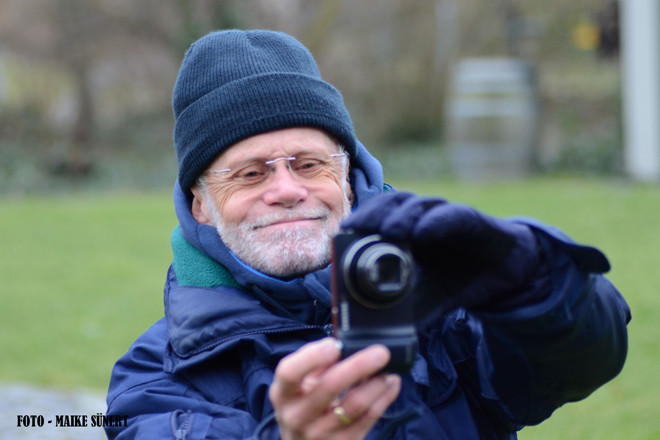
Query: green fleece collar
[[194, 268]]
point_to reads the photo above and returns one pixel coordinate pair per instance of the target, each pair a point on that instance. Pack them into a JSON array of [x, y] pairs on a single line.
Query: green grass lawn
[[82, 277]]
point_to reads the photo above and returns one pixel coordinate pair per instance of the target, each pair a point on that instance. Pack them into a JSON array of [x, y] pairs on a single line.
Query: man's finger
[[292, 370], [351, 371]]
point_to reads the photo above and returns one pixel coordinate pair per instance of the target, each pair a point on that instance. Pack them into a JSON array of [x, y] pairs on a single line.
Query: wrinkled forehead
[[280, 143]]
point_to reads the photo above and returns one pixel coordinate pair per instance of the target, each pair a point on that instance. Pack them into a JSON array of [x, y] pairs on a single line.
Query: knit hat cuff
[[255, 105]]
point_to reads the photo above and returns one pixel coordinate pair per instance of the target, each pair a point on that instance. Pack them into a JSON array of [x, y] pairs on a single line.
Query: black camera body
[[373, 301]]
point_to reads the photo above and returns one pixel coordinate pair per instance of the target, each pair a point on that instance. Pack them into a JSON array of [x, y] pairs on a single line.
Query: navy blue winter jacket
[[203, 371]]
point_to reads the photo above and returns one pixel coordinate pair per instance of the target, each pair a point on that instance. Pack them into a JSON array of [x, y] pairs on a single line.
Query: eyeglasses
[[306, 166]]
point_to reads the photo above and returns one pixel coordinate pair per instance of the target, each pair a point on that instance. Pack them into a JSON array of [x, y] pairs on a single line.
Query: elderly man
[[514, 319]]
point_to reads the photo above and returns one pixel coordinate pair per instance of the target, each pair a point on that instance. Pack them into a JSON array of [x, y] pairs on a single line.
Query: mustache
[[299, 214]]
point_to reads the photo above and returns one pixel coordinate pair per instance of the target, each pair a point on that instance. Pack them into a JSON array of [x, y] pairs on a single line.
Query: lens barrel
[[376, 272]]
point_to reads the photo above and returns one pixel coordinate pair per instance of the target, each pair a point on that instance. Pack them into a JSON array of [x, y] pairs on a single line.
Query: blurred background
[[549, 109], [85, 86]]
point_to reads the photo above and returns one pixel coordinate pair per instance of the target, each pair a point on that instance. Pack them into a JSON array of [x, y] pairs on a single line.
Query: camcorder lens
[[378, 272], [382, 272]]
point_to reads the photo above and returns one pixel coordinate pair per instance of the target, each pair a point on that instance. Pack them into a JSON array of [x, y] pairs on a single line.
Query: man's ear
[[198, 209]]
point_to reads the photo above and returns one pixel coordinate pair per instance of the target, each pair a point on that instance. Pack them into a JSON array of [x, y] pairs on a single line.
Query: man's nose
[[284, 187]]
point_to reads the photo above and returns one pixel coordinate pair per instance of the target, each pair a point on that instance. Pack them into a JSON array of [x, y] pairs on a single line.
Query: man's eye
[[308, 165], [251, 173]]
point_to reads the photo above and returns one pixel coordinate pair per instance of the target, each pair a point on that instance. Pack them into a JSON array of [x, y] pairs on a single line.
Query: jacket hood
[[306, 298]]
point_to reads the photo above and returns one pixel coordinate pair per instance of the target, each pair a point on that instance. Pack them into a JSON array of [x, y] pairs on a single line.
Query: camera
[[372, 293]]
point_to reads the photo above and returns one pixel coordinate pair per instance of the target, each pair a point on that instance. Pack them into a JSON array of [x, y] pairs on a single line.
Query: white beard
[[281, 252]]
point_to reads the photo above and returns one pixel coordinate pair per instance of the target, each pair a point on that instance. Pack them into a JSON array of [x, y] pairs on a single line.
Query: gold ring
[[341, 415]]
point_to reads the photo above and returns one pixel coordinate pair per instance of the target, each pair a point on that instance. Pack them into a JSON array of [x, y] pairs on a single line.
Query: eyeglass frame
[[202, 179]]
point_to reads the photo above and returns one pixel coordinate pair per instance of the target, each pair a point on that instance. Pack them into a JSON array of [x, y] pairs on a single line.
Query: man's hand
[[465, 258], [316, 396]]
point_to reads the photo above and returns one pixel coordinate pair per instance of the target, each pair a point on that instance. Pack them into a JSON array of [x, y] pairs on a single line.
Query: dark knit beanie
[[235, 84]]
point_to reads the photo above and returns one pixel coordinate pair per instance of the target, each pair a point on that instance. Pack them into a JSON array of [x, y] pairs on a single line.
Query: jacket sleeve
[[525, 360], [164, 406]]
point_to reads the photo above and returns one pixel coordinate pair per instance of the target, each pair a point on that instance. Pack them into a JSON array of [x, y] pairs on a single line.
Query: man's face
[[277, 218]]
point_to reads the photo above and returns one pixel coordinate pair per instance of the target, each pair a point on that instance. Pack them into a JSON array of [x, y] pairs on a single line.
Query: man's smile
[[294, 220], [289, 219]]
